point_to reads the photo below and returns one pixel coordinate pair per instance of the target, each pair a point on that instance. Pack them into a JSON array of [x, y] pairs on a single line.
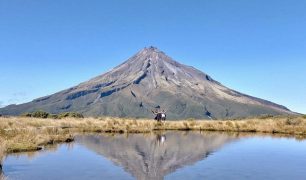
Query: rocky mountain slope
[[148, 80]]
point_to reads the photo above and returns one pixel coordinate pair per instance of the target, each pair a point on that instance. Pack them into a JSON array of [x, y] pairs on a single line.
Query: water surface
[[168, 155]]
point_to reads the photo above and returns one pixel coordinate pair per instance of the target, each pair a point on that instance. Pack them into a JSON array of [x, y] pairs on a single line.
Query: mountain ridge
[[150, 79]]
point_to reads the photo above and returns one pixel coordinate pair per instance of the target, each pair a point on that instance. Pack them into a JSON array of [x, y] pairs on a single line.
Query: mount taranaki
[[148, 80]]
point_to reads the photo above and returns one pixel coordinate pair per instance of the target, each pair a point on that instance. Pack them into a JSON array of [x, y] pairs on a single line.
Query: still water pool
[[165, 155]]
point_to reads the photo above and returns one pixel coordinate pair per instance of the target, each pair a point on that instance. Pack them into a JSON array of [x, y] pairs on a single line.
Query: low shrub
[[53, 116], [293, 121], [40, 114], [70, 114], [36, 114], [265, 116], [26, 114]]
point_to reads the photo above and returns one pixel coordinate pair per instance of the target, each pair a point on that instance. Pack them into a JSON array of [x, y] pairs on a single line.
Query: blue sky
[[257, 47]]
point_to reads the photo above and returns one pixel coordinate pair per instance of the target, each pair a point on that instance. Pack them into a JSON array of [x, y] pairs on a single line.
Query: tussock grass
[[28, 134]]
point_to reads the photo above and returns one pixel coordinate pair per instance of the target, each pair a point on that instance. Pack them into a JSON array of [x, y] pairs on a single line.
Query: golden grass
[[27, 134]]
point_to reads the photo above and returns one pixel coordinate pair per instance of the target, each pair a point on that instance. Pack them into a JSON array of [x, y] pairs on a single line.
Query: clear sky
[[257, 47]]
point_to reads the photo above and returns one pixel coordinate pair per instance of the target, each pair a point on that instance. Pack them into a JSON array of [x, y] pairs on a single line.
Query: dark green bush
[[70, 114], [40, 114], [26, 114], [265, 116], [53, 116], [36, 114], [304, 116]]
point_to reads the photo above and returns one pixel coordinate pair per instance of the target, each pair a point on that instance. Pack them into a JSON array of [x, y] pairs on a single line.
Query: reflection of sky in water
[[252, 158], [65, 163], [180, 157]]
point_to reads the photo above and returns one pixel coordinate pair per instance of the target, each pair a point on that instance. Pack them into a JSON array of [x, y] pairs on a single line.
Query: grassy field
[[19, 134]]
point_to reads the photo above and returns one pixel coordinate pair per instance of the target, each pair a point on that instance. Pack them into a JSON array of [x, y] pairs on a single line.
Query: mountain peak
[[151, 50]]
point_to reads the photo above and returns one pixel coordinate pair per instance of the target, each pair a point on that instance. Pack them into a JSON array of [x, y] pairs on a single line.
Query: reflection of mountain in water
[[154, 156]]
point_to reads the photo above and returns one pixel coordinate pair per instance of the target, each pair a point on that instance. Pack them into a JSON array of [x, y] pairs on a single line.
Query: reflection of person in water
[[160, 139]]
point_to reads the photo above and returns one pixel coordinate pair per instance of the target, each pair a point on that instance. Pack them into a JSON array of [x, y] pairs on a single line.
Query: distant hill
[[147, 80]]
